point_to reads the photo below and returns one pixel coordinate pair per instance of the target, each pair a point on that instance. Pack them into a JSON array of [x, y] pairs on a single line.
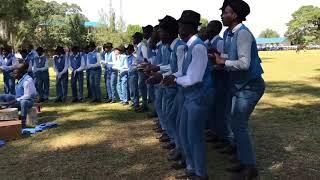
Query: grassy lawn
[[102, 141]]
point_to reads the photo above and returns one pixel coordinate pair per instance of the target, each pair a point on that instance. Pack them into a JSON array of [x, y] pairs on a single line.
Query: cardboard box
[[10, 130]]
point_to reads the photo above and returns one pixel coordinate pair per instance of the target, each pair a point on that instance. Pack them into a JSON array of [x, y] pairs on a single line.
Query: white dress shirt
[[29, 89], [144, 51], [197, 67], [244, 43]]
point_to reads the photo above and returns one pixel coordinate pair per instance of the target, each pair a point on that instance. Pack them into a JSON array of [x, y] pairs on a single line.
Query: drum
[[32, 117], [8, 114]]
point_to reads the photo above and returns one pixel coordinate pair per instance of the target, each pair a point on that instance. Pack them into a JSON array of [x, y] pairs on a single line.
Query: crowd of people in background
[[196, 81]]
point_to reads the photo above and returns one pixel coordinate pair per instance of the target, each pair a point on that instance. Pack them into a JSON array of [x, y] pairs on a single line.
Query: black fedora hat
[[190, 17]]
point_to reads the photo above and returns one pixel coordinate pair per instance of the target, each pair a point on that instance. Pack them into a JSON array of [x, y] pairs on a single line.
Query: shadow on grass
[[285, 88]]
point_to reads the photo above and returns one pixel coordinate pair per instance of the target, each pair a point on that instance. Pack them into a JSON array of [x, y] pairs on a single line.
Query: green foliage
[[269, 33], [204, 22], [51, 24], [304, 28]]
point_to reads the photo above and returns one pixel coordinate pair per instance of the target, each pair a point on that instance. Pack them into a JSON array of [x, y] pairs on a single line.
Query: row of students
[[203, 81]]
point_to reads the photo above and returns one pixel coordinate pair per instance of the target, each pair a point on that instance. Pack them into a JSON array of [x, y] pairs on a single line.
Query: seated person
[[25, 92]]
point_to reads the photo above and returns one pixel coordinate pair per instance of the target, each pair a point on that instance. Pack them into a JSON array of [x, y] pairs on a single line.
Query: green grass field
[[102, 141]]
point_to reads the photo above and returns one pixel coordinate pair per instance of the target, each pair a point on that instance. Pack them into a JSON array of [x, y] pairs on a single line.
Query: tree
[[204, 22], [77, 30], [304, 27], [269, 33]]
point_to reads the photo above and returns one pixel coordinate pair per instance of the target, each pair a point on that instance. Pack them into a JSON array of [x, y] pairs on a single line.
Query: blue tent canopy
[[271, 40], [90, 24]]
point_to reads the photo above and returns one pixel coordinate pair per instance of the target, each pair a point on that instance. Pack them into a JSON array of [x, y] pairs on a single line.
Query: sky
[[264, 14]]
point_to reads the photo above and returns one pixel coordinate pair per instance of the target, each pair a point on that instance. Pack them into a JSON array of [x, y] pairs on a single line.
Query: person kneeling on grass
[[25, 92]]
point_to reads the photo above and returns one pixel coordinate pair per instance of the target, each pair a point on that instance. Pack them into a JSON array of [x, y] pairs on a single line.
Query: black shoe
[[125, 103], [159, 130], [108, 101], [236, 168], [185, 175], [175, 156], [162, 135], [164, 139], [168, 146], [74, 100], [93, 101], [179, 165], [113, 101], [58, 100], [143, 110], [250, 172]]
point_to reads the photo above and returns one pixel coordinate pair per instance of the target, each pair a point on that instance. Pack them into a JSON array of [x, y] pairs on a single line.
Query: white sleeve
[[81, 68], [144, 51], [29, 90], [244, 44], [180, 57], [197, 67], [220, 46]]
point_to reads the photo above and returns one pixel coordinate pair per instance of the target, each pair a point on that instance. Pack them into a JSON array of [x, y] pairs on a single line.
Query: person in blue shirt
[[219, 121], [122, 66], [41, 75], [93, 64], [25, 92], [142, 59], [60, 65], [77, 65], [7, 66], [240, 57], [30, 58], [133, 77], [109, 73], [194, 82], [85, 52]]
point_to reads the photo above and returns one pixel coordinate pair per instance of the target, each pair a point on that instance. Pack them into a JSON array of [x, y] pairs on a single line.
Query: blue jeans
[[9, 83], [24, 105], [133, 88], [107, 80], [62, 87], [243, 104], [158, 92], [150, 92], [77, 80], [192, 125], [95, 78], [88, 83], [143, 89], [122, 86], [178, 103], [111, 83], [170, 112], [41, 80]]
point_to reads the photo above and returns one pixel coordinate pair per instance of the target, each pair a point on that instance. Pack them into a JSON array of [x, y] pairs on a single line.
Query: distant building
[[270, 44]]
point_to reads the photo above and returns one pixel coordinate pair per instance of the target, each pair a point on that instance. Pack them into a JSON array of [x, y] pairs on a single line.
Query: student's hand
[[169, 80], [155, 78], [219, 60], [152, 68]]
